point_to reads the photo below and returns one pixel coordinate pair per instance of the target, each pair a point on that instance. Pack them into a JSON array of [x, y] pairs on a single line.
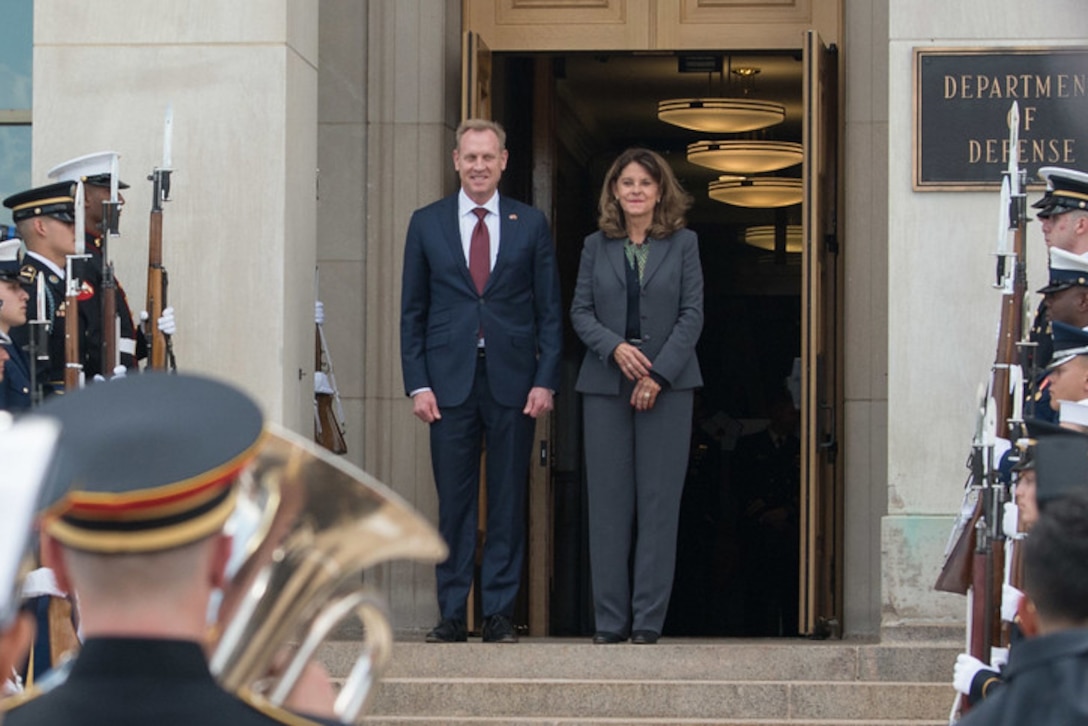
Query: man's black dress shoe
[[603, 637], [644, 637], [448, 631], [499, 629]]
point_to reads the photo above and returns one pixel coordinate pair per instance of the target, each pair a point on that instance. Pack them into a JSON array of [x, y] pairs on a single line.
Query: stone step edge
[[653, 681], [579, 721]]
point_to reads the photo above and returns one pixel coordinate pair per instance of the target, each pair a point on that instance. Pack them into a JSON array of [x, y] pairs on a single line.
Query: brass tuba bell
[[307, 526]]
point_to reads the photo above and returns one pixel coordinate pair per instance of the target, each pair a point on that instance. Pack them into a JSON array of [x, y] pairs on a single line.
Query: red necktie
[[479, 252]]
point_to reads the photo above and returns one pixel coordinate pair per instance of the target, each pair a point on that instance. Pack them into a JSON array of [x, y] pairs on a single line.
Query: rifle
[[39, 329], [329, 424], [73, 363], [161, 347], [111, 217], [975, 557]]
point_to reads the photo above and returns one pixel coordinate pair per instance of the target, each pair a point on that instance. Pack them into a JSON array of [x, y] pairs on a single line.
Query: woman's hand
[[645, 394], [632, 361]]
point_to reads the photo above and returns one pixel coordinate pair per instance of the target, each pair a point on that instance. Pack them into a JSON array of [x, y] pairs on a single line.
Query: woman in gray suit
[[638, 307]]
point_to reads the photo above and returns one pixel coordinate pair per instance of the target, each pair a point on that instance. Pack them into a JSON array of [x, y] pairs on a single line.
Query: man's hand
[[539, 401], [425, 407]]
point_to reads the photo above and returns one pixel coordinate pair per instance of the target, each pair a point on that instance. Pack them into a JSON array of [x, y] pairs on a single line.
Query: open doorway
[[740, 536]]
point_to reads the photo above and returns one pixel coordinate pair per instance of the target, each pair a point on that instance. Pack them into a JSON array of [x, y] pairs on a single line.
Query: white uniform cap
[[1074, 412], [90, 169]]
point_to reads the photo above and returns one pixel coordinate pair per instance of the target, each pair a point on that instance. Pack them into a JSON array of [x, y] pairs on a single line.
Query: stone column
[[239, 235], [413, 107]]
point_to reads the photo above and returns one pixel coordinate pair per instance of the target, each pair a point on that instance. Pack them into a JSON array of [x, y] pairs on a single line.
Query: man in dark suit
[[480, 351], [14, 367]]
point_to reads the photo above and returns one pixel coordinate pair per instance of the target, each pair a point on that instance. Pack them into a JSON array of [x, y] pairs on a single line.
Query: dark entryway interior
[[737, 566]]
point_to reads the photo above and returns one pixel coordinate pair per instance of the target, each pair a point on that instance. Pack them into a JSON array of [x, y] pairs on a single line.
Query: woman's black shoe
[[644, 637], [605, 638]]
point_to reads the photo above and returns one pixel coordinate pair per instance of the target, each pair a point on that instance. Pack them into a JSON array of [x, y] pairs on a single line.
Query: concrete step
[[661, 699], [678, 681], [551, 721], [672, 658]]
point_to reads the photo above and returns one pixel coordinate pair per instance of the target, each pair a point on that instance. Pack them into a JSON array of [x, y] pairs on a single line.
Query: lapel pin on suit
[[512, 217]]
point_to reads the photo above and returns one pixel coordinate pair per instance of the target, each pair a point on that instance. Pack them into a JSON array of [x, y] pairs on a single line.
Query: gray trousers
[[636, 463]]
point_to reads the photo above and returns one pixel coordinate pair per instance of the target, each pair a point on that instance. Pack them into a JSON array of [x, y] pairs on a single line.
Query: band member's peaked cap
[[147, 462], [1061, 466]]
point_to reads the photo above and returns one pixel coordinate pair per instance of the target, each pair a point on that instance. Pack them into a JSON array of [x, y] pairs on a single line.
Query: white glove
[[967, 666], [1010, 520], [98, 378], [119, 372], [322, 383], [1010, 602], [167, 325], [319, 312], [998, 658]]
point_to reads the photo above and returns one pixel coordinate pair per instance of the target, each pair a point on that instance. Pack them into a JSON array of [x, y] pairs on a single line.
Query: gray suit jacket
[[671, 306]]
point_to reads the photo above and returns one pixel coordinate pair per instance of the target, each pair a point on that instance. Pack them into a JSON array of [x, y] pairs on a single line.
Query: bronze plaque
[[962, 98]]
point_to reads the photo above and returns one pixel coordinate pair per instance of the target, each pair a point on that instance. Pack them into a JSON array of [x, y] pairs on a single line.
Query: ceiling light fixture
[[762, 236], [723, 115], [760, 192], [746, 156]]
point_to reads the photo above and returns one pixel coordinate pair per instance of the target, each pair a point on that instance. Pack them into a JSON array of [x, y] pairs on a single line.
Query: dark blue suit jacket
[[441, 313], [15, 388]]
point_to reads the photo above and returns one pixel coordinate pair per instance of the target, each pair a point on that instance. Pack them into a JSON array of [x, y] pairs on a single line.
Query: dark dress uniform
[[1036, 358], [50, 373], [129, 330], [1046, 682], [119, 681], [15, 388]]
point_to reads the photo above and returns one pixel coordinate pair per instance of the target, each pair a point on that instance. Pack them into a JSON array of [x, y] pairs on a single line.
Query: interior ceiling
[[613, 99]]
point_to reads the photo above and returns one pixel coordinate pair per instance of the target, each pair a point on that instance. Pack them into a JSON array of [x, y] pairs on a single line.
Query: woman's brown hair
[[668, 215]]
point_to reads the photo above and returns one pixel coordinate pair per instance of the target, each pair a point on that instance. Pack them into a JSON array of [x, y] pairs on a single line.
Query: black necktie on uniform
[[479, 252]]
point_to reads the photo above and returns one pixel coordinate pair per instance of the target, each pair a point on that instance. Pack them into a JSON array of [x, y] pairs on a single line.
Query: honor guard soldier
[[1067, 372], [1066, 292], [14, 364], [1062, 213], [95, 171], [971, 677], [134, 520], [1045, 673], [1041, 682], [45, 219], [1065, 299]]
